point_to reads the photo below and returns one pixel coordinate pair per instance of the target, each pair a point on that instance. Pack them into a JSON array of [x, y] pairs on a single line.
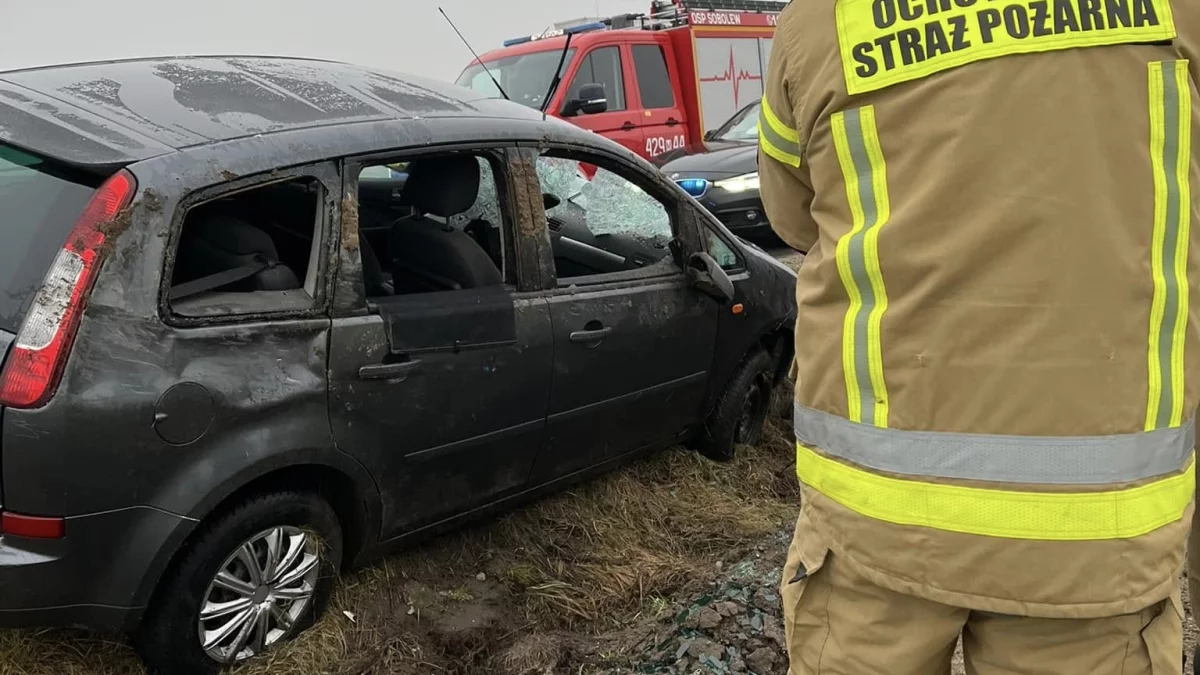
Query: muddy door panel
[[444, 396], [630, 368]]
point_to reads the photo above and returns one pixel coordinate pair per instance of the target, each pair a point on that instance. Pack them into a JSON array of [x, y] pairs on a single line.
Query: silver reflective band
[[769, 135], [1065, 460]]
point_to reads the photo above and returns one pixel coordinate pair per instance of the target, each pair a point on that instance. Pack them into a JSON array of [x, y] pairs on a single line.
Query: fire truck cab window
[[654, 82], [602, 66]]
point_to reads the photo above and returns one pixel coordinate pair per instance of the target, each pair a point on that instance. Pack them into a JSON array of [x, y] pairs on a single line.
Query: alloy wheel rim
[[259, 593]]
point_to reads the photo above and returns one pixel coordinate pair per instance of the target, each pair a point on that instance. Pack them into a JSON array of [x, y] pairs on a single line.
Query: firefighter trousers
[[839, 623]]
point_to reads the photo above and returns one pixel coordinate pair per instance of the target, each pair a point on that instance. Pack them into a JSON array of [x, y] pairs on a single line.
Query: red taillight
[[40, 351], [33, 527]]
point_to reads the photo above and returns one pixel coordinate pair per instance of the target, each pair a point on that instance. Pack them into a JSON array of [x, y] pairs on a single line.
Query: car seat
[[222, 252], [375, 280], [428, 255]]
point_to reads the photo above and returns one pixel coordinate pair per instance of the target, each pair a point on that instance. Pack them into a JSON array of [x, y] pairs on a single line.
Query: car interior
[[594, 223], [423, 229], [437, 227], [256, 240]]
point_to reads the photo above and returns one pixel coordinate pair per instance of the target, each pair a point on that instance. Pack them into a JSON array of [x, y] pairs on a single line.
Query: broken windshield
[[525, 77]]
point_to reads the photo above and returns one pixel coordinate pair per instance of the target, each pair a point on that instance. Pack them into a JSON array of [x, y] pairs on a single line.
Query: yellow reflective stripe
[[1170, 155], [776, 138], [777, 125], [864, 170], [777, 154], [1183, 167], [1114, 514]]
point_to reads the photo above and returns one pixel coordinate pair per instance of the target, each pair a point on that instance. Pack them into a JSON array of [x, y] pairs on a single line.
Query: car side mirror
[[708, 277], [590, 100]]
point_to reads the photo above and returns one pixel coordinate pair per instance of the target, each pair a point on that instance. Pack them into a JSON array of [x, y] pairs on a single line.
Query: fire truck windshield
[[525, 77]]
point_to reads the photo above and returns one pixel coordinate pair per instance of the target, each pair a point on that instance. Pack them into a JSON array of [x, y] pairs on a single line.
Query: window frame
[[682, 242], [328, 179], [511, 246], [622, 85], [666, 71]]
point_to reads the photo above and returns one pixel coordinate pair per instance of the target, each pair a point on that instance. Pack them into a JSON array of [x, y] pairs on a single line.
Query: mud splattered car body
[[404, 412]]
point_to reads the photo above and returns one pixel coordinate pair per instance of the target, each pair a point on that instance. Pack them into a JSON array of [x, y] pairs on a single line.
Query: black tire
[[168, 640], [740, 413]]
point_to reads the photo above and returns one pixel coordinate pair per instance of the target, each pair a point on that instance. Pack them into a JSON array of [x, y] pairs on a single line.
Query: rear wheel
[[742, 410], [256, 576]]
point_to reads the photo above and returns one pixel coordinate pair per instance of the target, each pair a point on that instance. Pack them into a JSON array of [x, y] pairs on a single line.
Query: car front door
[[605, 65], [439, 364], [633, 339]]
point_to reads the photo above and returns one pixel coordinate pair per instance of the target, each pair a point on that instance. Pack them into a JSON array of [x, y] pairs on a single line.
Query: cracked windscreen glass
[[606, 203]]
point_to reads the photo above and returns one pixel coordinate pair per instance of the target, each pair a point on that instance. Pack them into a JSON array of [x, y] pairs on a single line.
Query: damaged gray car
[[264, 319]]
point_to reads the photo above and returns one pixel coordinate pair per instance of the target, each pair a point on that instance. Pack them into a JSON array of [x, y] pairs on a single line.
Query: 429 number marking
[[657, 145]]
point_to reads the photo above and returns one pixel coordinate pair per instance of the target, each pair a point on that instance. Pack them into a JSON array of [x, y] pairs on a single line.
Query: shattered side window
[[608, 203], [562, 178], [487, 204], [601, 222]]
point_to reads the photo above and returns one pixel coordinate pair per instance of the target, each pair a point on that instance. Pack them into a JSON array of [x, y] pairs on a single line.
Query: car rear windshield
[[39, 204]]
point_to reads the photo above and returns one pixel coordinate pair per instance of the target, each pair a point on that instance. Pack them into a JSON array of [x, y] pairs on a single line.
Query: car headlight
[[748, 181]]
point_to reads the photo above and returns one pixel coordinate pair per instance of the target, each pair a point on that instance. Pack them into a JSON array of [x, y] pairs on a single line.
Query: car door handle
[[388, 371], [585, 336], [628, 126], [671, 121]]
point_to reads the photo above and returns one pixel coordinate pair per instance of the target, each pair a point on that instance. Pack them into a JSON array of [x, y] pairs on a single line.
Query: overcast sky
[[404, 35]]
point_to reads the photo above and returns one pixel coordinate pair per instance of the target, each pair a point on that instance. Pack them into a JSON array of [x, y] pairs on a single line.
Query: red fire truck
[[668, 78]]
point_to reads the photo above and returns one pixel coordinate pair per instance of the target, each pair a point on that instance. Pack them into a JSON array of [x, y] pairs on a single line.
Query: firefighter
[[998, 340]]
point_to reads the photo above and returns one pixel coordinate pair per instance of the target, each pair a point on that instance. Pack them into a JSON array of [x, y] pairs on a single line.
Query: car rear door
[[664, 121], [441, 393], [633, 340], [608, 65]]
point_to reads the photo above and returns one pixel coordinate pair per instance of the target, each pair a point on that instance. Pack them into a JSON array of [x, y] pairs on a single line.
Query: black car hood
[[721, 161]]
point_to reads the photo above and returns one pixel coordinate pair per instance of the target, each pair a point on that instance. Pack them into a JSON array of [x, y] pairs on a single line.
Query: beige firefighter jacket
[[996, 349]]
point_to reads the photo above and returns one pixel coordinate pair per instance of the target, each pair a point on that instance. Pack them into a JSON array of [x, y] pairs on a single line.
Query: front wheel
[[256, 576], [741, 411]]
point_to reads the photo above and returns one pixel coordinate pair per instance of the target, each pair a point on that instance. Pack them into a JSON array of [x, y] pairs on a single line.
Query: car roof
[[114, 113]]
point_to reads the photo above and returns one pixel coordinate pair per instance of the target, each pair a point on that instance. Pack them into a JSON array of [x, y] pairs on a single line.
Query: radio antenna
[[468, 44]]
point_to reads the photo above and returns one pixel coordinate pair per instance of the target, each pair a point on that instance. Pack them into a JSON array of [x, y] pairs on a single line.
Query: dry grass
[[586, 560], [597, 555]]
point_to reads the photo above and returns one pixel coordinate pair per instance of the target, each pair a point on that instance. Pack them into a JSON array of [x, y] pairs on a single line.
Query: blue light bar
[[583, 28], [695, 187], [573, 30]]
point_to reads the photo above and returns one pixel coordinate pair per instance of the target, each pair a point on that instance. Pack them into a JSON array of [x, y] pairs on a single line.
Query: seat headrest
[[442, 186], [231, 236]]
